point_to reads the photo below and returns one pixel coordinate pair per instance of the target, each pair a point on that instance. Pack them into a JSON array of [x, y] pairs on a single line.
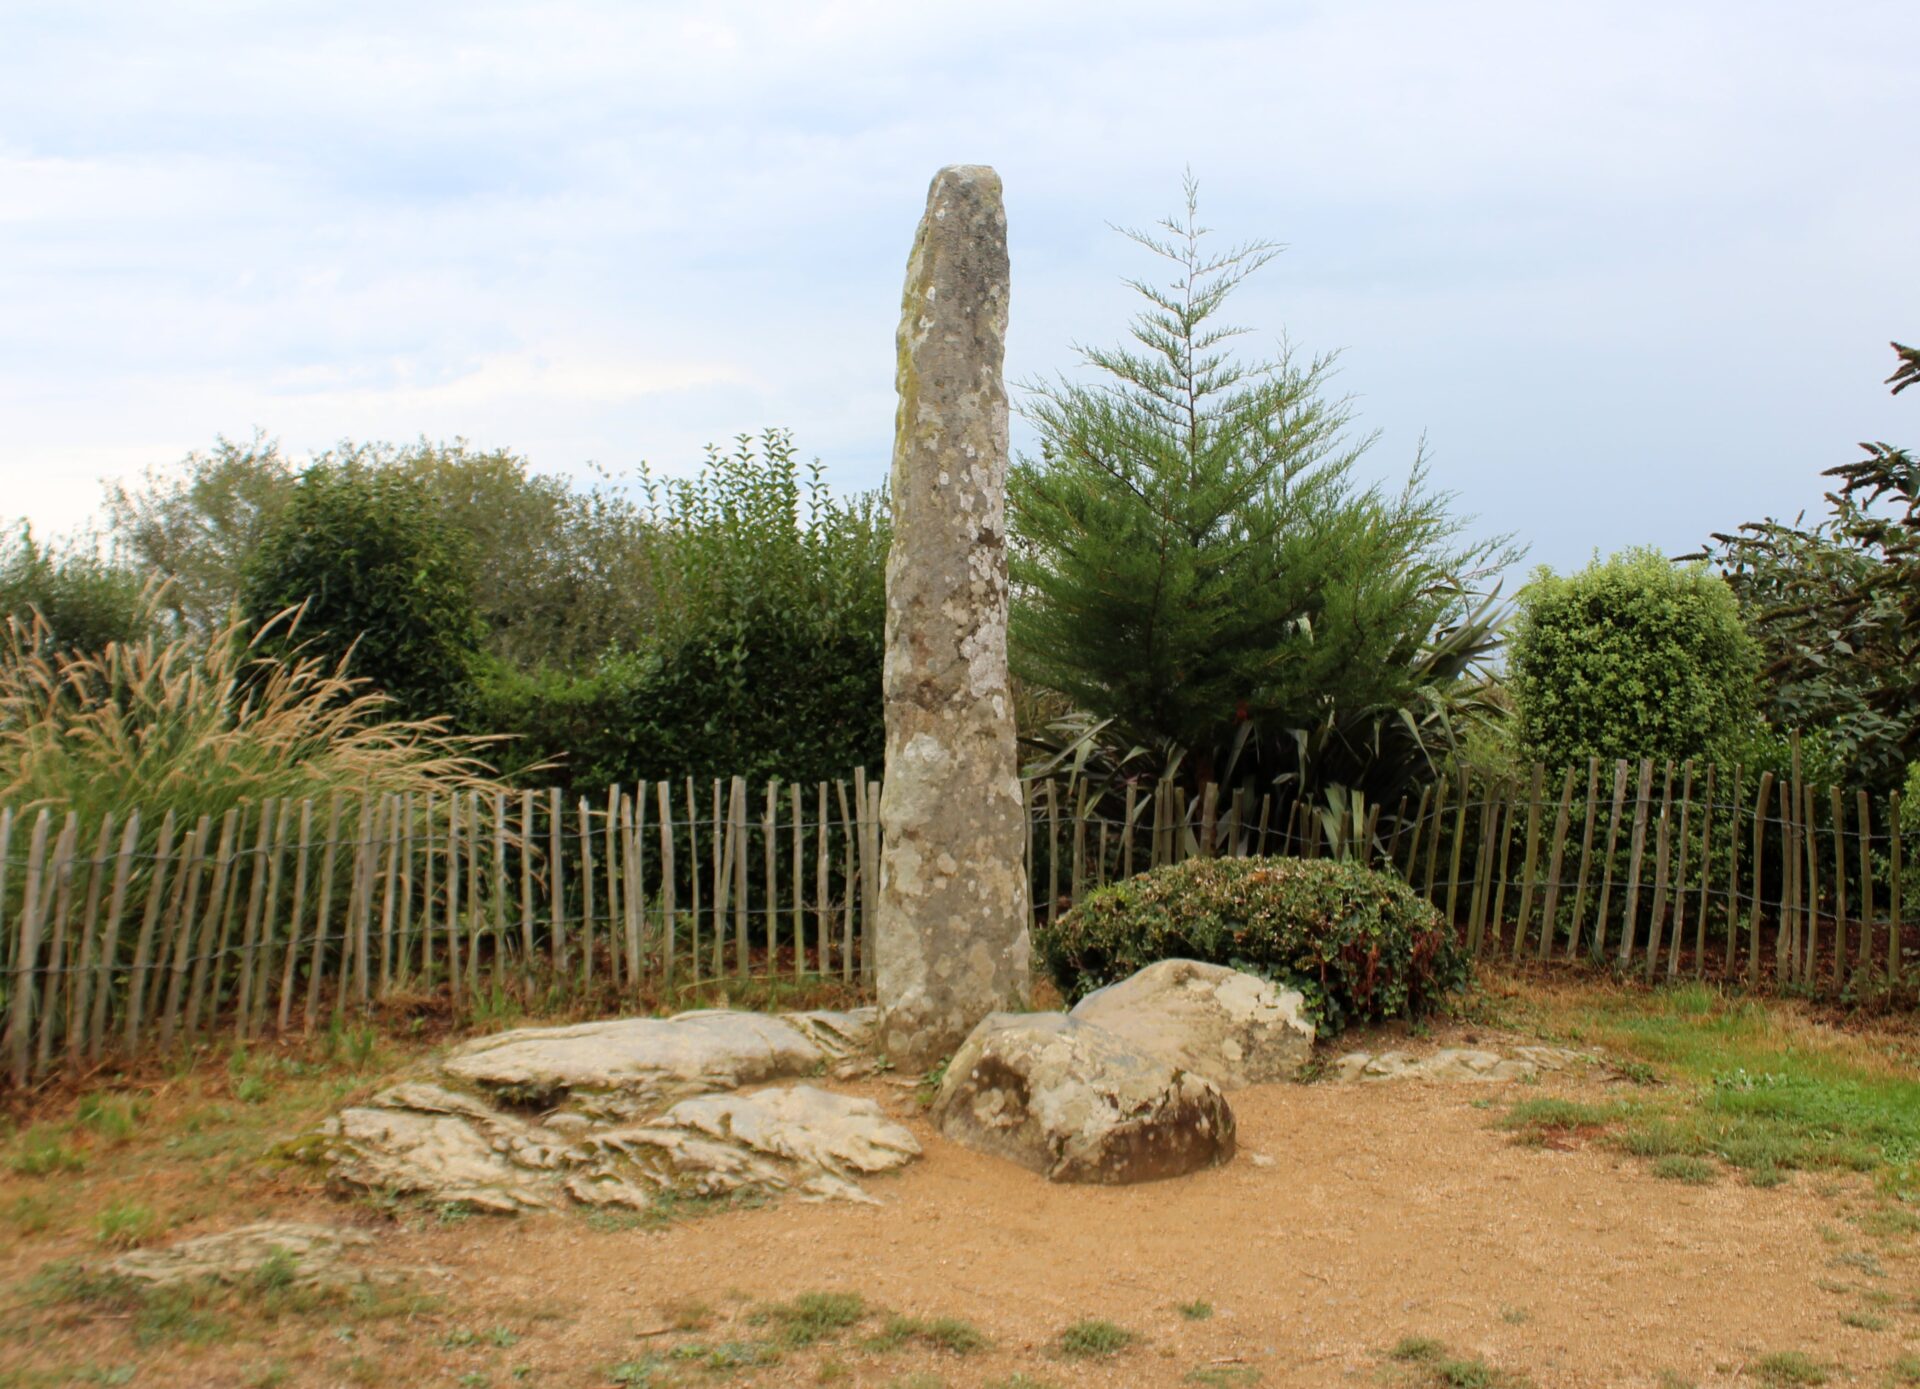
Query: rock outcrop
[[1457, 1064], [951, 939], [1234, 1028], [1076, 1103], [628, 1113]]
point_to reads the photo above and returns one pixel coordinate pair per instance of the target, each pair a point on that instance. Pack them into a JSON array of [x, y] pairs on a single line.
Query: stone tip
[[982, 174]]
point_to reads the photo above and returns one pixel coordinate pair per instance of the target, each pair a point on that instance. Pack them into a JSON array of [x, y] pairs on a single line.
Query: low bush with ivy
[[1360, 945]]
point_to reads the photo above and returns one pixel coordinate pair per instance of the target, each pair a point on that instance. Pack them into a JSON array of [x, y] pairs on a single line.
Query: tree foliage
[[68, 599], [1197, 567], [383, 584], [1836, 608], [764, 651], [1635, 656], [566, 571]]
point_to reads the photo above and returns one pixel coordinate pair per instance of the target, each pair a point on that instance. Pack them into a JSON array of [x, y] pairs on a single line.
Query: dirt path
[[1387, 1211]]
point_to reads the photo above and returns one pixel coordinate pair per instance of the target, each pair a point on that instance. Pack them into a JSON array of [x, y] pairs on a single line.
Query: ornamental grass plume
[[196, 726]]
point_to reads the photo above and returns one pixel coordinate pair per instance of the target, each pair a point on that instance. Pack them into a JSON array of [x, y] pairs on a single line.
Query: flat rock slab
[[1458, 1064], [630, 1065], [623, 1113], [1234, 1028], [1068, 1099], [309, 1256]]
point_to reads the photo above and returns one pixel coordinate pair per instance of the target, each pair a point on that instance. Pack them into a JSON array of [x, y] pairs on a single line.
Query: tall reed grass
[[199, 724]]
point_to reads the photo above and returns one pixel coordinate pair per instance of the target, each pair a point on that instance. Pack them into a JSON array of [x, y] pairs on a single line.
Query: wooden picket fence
[[1659, 868], [115, 937], [283, 915]]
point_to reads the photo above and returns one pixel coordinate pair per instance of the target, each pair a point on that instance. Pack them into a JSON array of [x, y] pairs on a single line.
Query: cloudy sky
[[1630, 269]]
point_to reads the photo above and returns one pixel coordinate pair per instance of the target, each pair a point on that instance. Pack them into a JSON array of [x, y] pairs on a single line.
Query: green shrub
[[384, 582], [72, 600], [1633, 657], [1360, 945]]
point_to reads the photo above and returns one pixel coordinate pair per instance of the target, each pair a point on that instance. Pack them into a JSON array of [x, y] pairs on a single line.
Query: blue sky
[[1629, 268]]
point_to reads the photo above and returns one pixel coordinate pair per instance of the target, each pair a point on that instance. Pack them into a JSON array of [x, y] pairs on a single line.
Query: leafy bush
[[1633, 657], [1360, 945], [384, 583], [764, 656], [1836, 607], [81, 602]]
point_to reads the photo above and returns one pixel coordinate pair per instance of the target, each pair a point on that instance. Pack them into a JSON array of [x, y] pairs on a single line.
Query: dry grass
[[193, 727]]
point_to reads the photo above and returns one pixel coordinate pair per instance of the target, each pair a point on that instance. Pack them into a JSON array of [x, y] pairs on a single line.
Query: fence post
[[1680, 870], [110, 951], [1531, 861], [1556, 857], [20, 1019], [1759, 874], [1897, 867]]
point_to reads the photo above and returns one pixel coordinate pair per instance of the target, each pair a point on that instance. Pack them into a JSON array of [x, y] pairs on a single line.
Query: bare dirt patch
[[1387, 1212]]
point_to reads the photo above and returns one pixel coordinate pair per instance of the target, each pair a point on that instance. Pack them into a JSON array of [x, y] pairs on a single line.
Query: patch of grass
[[1514, 1316], [1093, 1338], [28, 1214], [918, 1380], [1759, 1088], [125, 1224], [726, 1355], [111, 1118], [1865, 1321], [939, 1333], [812, 1317], [1669, 1380], [1198, 1310], [639, 1374], [1434, 1367], [1904, 1370], [1224, 1376], [1018, 1380], [43, 1151], [1549, 1115], [1679, 1167], [1890, 1222], [1787, 1368]]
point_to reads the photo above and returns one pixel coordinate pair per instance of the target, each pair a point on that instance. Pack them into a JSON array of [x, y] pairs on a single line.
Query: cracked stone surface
[[625, 1113], [1234, 1028], [1457, 1064]]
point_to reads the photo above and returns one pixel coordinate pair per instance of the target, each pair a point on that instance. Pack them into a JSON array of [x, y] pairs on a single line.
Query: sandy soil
[[1388, 1210]]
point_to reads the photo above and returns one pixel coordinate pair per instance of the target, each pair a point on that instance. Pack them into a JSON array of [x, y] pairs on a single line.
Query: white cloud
[[1629, 265]]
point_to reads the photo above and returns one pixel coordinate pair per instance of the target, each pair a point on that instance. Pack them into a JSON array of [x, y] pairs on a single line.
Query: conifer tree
[[1195, 560]]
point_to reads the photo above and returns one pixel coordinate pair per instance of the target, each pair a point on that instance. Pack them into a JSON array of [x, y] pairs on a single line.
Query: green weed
[[1093, 1338], [813, 1317], [1679, 1167], [1787, 1368], [939, 1333], [124, 1224], [44, 1151], [112, 1118], [1224, 1376], [1197, 1310]]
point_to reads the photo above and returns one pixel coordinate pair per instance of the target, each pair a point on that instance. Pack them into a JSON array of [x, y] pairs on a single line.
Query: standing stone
[[951, 939]]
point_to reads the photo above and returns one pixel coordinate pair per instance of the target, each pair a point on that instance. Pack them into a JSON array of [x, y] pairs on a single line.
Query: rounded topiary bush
[[1360, 945]]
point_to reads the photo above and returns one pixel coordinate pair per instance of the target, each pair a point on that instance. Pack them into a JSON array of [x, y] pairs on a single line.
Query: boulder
[[1076, 1103], [1234, 1028]]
